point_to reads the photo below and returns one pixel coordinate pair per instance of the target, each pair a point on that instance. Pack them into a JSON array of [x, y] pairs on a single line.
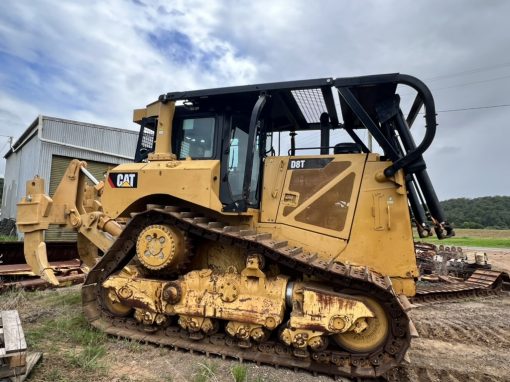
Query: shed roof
[[31, 131]]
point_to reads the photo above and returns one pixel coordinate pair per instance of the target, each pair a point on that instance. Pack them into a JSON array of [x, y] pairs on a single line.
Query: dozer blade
[[37, 258]]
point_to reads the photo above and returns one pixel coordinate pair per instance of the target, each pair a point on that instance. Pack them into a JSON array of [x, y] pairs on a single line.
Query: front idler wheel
[[373, 334]]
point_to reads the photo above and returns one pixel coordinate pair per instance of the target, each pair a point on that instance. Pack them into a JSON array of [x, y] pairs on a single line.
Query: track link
[[480, 284], [358, 280]]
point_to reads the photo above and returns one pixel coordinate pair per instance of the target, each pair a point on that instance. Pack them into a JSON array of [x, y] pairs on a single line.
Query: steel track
[[332, 361], [480, 284]]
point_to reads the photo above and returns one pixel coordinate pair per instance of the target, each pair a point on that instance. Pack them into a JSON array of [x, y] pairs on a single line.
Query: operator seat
[[347, 148]]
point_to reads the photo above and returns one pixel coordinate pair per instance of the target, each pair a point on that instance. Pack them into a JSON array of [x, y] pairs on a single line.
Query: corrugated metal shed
[[46, 137]]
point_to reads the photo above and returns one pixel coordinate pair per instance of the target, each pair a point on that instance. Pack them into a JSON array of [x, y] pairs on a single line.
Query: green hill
[[486, 212]]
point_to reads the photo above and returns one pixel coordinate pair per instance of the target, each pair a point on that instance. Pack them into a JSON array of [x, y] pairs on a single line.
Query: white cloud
[[96, 61]]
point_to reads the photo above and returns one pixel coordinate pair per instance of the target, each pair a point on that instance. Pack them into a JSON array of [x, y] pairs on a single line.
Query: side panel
[[381, 235], [320, 193], [275, 169], [196, 181]]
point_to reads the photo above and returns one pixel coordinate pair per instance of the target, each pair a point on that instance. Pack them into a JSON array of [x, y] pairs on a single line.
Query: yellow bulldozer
[[227, 236]]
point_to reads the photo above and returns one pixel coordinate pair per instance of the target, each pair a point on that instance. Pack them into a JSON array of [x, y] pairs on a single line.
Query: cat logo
[[123, 179]]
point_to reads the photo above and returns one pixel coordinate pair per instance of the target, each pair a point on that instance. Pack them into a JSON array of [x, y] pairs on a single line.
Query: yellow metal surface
[[251, 304], [164, 130], [113, 304], [189, 180], [218, 257], [377, 226], [139, 114], [228, 296], [331, 312], [233, 297], [36, 256], [196, 324], [160, 246], [142, 292], [302, 338], [87, 250], [68, 208], [165, 115], [34, 209], [304, 213], [325, 246], [245, 331], [405, 286], [318, 313], [371, 335], [381, 235], [275, 169]]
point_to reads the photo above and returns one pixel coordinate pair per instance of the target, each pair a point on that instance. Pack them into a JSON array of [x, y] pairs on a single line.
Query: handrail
[[430, 124]]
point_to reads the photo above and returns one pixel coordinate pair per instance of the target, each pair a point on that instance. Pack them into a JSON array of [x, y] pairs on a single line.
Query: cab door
[[234, 165], [320, 193]]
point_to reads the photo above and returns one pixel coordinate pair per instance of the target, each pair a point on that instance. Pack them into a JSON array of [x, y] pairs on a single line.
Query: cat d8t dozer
[[228, 236]]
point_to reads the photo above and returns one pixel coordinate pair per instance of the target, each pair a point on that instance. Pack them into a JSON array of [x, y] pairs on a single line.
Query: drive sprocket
[[161, 246]]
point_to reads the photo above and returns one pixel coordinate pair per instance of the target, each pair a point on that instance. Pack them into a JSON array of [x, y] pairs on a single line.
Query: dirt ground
[[460, 341], [499, 258], [467, 340]]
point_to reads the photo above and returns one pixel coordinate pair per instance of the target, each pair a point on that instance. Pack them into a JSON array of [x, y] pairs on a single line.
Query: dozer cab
[[227, 236]]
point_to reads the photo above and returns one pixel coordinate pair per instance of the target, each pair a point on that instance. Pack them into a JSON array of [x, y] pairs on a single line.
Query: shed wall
[[96, 143], [20, 167]]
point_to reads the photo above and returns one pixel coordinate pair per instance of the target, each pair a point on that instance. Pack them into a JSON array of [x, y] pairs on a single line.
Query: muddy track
[[460, 341], [332, 361]]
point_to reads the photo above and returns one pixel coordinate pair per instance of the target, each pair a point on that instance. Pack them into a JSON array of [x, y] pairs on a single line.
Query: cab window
[[238, 149], [196, 138]]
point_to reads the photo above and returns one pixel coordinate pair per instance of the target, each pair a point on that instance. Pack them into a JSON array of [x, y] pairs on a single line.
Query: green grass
[[206, 372], [240, 373], [57, 375], [61, 331], [88, 358], [8, 238], [64, 299], [134, 346], [74, 329], [474, 238], [464, 241], [87, 345]]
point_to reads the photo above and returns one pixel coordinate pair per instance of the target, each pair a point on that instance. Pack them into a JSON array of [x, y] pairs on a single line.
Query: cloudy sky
[[95, 61]]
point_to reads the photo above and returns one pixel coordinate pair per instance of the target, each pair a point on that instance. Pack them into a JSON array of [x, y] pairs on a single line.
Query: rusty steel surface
[[333, 360], [487, 278], [39, 283], [481, 283], [24, 269], [11, 252], [14, 271]]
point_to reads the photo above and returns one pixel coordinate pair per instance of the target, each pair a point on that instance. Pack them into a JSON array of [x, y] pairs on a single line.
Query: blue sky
[[97, 61]]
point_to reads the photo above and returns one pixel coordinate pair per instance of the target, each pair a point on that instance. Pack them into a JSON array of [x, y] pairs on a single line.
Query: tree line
[[487, 212]]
